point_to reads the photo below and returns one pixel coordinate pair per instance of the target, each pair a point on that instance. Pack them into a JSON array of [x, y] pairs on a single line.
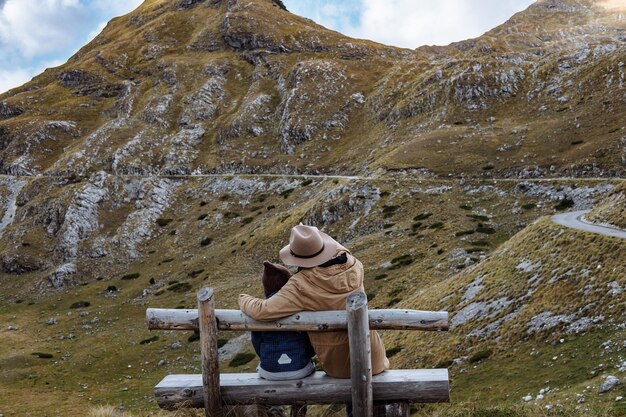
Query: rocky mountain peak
[[182, 86]]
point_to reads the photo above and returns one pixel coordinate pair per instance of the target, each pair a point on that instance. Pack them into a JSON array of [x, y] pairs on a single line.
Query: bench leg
[[391, 409]]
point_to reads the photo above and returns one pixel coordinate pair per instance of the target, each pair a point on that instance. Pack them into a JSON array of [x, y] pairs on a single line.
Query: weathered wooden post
[[207, 325], [401, 409], [360, 358]]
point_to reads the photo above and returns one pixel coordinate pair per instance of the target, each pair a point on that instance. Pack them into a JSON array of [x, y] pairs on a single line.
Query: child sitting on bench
[[284, 355]]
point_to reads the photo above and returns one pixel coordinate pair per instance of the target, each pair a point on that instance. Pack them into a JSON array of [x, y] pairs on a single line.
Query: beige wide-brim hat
[[308, 247]]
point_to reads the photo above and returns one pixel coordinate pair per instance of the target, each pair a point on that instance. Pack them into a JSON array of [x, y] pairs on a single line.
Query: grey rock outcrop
[[81, 218], [60, 277], [609, 384], [7, 110]]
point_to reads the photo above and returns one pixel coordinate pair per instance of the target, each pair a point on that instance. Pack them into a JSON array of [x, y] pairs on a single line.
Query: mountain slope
[[230, 86], [99, 217]]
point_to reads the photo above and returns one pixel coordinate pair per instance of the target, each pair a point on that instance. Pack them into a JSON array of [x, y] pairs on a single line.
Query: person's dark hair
[[274, 277]]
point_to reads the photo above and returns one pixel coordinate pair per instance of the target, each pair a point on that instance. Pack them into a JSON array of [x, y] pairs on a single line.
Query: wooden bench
[[392, 390]]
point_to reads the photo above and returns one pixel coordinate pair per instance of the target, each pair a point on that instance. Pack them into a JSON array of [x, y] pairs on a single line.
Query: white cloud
[[36, 34], [33, 27], [96, 31], [116, 7], [13, 78], [411, 23]]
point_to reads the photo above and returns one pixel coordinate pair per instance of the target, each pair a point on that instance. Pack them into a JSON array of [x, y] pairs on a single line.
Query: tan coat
[[320, 289]]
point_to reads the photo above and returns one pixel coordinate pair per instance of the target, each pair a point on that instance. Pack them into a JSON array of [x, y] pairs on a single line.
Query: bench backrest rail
[[309, 321]]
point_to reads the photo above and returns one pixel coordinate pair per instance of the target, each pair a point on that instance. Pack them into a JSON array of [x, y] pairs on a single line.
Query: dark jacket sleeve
[[257, 339]]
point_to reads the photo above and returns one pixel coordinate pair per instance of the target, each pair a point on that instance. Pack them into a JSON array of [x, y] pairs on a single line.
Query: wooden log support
[[175, 319], [400, 409], [360, 355], [210, 362], [398, 385]]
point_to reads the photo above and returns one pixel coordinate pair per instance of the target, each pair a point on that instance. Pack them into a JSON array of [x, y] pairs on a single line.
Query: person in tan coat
[[328, 273]]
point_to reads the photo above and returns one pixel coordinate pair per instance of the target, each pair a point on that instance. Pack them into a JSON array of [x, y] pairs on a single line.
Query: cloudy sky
[[37, 34]]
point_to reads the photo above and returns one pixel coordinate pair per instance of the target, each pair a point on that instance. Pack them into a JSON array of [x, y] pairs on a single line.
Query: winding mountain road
[[574, 220]]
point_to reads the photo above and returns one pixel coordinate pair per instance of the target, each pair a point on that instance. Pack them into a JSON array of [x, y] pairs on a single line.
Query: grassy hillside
[[413, 237], [177, 149], [612, 210]]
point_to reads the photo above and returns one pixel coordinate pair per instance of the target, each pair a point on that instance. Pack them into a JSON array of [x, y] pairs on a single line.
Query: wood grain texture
[[413, 386], [360, 357], [209, 359], [319, 321]]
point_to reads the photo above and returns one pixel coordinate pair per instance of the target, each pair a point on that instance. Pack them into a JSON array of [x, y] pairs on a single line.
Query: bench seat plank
[[418, 385]]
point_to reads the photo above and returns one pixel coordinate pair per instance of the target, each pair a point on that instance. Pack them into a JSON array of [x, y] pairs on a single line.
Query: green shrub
[[246, 220], [388, 225], [465, 207], [195, 336], [231, 215], [479, 356], [529, 206], [163, 222], [488, 167], [202, 216], [395, 292], [241, 359], [444, 364], [401, 261], [80, 304], [393, 302], [478, 217], [194, 274], [486, 229], [393, 351], [422, 216], [179, 287], [464, 233], [287, 192], [415, 226], [380, 276], [389, 211], [306, 182], [436, 225], [132, 276], [206, 241], [43, 355], [564, 204], [149, 340], [272, 207]]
